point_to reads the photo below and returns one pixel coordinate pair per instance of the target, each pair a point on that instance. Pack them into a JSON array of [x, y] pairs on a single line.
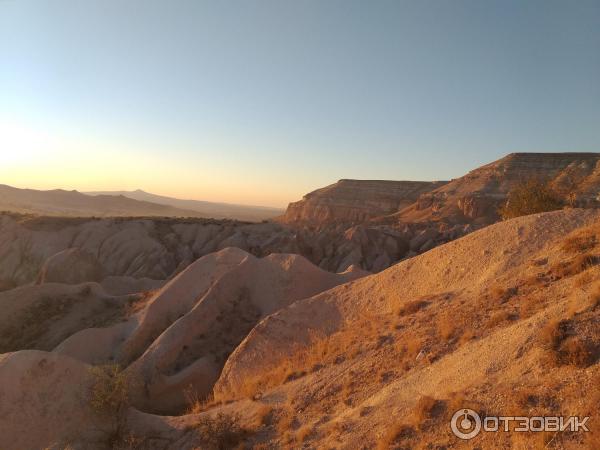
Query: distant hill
[[206, 209], [59, 202]]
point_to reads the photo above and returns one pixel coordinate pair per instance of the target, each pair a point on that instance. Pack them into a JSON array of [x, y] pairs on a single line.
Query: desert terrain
[[363, 317]]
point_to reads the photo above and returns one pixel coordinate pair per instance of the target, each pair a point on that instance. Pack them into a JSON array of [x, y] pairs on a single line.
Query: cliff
[[356, 200], [477, 196]]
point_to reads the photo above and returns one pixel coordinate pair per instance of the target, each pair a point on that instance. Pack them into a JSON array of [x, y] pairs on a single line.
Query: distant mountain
[[206, 209], [59, 202]]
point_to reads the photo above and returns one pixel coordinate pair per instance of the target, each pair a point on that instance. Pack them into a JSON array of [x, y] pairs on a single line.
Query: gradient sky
[[262, 101]]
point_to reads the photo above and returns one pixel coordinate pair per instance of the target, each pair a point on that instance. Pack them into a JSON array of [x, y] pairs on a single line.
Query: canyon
[[363, 317]]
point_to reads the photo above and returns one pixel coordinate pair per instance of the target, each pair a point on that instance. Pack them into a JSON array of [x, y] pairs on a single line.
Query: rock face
[[71, 266], [477, 196], [78, 250], [180, 340], [47, 391], [356, 201]]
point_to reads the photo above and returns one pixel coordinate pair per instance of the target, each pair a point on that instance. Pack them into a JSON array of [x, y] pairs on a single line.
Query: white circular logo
[[465, 424]]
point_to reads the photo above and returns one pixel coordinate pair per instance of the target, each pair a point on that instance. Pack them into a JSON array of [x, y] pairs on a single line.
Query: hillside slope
[[503, 321]]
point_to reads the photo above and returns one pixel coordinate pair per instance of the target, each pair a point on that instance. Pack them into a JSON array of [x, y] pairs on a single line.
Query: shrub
[[553, 333], [109, 391], [530, 197], [411, 307], [221, 432], [396, 433]]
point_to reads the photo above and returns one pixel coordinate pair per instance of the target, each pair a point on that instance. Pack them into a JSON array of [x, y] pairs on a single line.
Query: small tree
[[530, 197]]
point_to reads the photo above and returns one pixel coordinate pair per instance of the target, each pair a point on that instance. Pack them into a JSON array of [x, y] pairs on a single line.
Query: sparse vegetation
[[411, 307], [530, 197], [109, 391], [221, 432]]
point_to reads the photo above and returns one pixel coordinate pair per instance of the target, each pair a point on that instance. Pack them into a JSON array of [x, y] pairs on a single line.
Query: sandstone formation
[[301, 357], [180, 340], [71, 266], [476, 197], [355, 201], [43, 403], [158, 249], [473, 198]]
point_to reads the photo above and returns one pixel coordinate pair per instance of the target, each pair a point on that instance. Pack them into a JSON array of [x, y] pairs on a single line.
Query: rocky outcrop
[[180, 340], [78, 250], [477, 196], [355, 201], [43, 401], [71, 266]]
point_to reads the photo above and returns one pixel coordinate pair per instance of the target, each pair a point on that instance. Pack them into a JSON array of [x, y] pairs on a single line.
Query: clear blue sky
[[262, 101]]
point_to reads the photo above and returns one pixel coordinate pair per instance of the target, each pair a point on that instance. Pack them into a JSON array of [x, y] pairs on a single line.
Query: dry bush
[[499, 317], [553, 333], [446, 327], [467, 336], [583, 279], [576, 265], [222, 432], [567, 349], [528, 306], [395, 434], [198, 404], [595, 296], [109, 390], [530, 197], [286, 419], [534, 281], [303, 433], [502, 294], [426, 410], [582, 240], [264, 415], [411, 307], [575, 351]]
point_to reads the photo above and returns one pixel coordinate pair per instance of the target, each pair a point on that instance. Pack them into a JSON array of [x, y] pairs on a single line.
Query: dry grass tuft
[[582, 240], [502, 294], [499, 317], [411, 307], [396, 434], [220, 432], [577, 352], [446, 327], [574, 266], [553, 333]]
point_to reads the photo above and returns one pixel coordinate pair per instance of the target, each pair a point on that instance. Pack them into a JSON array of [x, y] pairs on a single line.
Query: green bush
[[530, 197]]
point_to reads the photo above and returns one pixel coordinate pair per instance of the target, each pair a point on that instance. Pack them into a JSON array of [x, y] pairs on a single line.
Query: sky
[[260, 102]]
